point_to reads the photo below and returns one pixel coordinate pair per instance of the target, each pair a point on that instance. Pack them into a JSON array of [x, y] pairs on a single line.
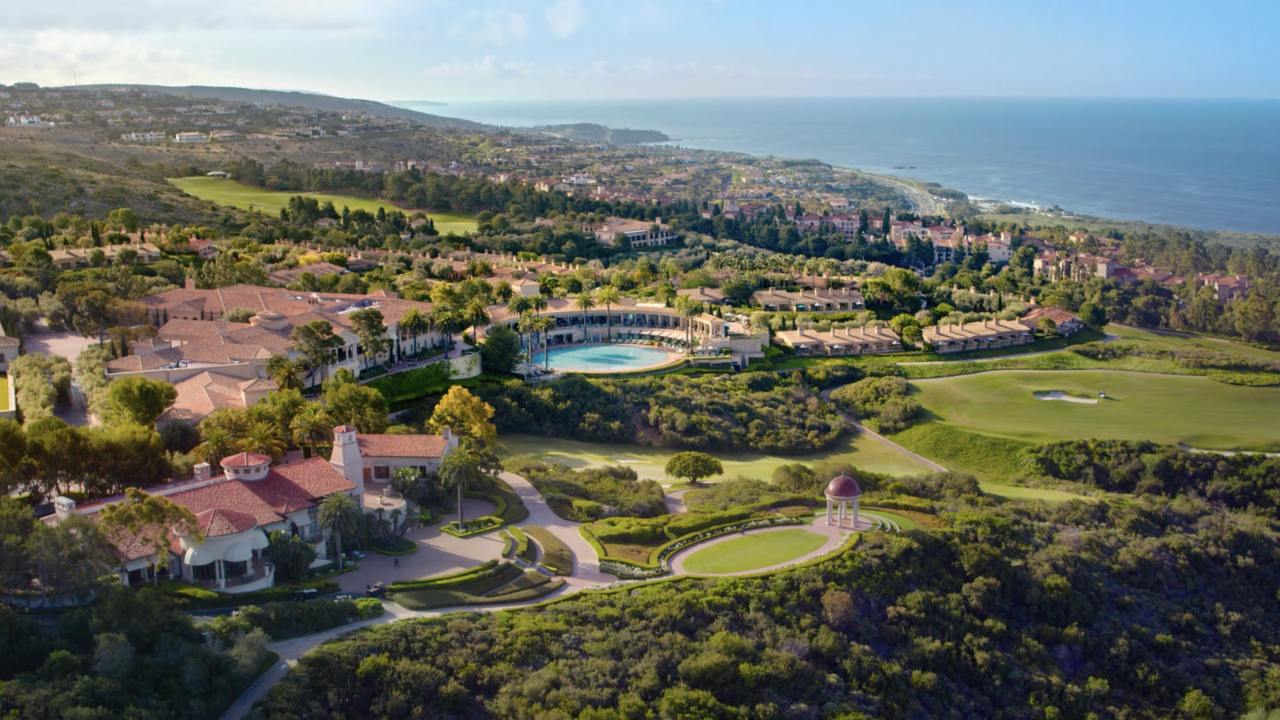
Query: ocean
[[1204, 164]]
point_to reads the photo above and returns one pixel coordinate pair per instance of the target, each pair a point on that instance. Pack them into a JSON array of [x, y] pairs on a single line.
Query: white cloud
[[488, 67], [492, 27], [565, 17]]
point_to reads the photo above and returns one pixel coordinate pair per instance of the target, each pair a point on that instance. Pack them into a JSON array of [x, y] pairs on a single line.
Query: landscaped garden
[[753, 552]]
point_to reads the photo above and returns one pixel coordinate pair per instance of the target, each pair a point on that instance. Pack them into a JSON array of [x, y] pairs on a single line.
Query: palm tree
[[414, 322], [460, 468], [477, 316], [584, 302], [311, 425], [263, 438], [449, 322], [607, 296], [544, 325], [338, 516], [216, 445], [538, 303], [503, 291], [525, 327], [688, 308], [284, 372]]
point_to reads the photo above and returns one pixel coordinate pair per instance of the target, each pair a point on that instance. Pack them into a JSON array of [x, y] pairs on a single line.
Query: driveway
[[65, 343], [439, 553]]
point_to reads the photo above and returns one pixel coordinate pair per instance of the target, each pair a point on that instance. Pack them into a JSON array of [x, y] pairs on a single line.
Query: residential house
[[190, 137], [68, 258], [639, 233], [319, 269]]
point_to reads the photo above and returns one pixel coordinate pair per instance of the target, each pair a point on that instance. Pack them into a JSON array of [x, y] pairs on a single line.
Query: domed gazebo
[[843, 490]]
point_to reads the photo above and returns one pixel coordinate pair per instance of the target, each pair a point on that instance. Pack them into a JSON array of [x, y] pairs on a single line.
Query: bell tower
[[346, 457]]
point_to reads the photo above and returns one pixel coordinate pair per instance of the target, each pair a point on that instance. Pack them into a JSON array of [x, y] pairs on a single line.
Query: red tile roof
[[245, 459], [217, 523], [425, 446]]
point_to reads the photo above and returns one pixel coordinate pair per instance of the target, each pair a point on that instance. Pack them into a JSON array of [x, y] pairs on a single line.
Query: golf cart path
[[826, 397]]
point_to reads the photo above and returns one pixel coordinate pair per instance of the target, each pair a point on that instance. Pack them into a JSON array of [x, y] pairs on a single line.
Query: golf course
[[224, 191], [1168, 409]]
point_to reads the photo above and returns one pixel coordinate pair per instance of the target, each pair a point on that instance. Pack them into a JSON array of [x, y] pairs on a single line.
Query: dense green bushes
[[761, 412], [1128, 466], [880, 401], [285, 620], [586, 495], [123, 657], [1140, 609]]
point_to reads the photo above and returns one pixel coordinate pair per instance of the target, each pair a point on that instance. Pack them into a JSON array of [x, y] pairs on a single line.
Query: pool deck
[[672, 357]]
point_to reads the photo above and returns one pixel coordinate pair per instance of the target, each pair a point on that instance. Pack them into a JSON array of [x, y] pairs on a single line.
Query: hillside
[[313, 101]]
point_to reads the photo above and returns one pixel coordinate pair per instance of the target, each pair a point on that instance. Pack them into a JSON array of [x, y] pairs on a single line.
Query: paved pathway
[[675, 501], [826, 397]]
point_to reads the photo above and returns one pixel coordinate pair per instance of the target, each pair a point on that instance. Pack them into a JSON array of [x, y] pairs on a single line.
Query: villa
[[238, 509], [841, 341], [977, 335], [814, 301], [1066, 323], [638, 232], [69, 258]]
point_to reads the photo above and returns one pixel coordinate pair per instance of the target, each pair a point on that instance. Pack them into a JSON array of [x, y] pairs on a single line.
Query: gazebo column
[[221, 575], [855, 514], [828, 511]]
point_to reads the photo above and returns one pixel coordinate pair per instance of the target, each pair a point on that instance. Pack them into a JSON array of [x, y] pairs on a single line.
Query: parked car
[[306, 594], [375, 590], [357, 554]]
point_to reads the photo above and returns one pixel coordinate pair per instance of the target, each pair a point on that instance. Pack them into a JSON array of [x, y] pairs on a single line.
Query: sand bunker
[[1059, 395]]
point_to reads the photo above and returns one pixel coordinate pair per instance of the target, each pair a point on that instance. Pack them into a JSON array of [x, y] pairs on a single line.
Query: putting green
[[228, 192], [648, 462], [753, 552], [1166, 409]]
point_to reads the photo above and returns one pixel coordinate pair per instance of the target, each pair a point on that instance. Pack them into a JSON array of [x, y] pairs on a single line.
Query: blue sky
[[581, 49]]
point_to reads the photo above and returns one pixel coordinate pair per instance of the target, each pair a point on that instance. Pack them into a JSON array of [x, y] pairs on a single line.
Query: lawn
[[1198, 342], [233, 194], [753, 552], [648, 462], [904, 523], [1195, 411]]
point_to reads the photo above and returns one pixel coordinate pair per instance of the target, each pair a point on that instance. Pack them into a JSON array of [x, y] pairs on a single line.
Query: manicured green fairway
[[233, 194], [1191, 342], [1196, 411], [753, 552], [863, 452]]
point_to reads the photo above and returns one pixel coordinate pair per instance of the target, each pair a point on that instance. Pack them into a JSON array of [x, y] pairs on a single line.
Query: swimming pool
[[605, 358]]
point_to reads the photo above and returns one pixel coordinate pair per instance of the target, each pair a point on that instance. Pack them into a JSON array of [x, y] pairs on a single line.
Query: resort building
[[640, 323], [709, 296], [814, 301], [69, 258], [192, 337], [1066, 323], [240, 507], [320, 269], [977, 335], [199, 395], [843, 341], [639, 233]]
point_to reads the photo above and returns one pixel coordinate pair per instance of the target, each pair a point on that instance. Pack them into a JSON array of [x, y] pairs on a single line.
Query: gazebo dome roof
[[843, 488]]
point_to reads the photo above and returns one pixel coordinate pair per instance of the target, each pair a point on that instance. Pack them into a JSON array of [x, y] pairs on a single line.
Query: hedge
[[284, 620], [508, 543], [556, 556], [462, 591], [480, 525], [442, 579], [177, 595], [413, 548], [524, 550]]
